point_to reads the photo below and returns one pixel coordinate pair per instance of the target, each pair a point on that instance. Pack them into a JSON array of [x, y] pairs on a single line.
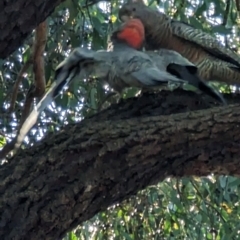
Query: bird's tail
[[66, 71], [194, 80]]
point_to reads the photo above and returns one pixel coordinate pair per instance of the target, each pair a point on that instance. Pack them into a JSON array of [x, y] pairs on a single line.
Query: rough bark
[[19, 18], [72, 175]]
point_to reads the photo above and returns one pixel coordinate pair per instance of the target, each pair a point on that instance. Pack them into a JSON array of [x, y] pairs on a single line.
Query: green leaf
[[48, 72], [72, 236], [3, 140], [221, 29], [26, 54], [62, 100], [93, 94], [200, 10], [195, 22], [97, 25]]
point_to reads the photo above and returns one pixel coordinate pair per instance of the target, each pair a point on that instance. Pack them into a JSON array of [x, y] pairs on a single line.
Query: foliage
[[206, 208]]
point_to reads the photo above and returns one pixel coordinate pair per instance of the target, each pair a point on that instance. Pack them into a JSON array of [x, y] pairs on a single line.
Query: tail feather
[[155, 77], [66, 71], [194, 80], [204, 87]]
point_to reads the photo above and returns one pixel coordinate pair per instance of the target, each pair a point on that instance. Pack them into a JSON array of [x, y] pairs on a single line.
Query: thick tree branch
[[72, 175], [19, 18]]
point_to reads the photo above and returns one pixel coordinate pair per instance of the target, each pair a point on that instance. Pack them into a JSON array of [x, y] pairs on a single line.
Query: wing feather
[[204, 40]]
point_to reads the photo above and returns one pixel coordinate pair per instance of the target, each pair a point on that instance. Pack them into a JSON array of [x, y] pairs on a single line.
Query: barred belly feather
[[214, 61]]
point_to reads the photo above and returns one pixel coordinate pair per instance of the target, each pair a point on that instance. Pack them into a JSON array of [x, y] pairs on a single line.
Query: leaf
[[221, 29], [48, 72], [195, 22], [73, 9], [93, 94], [72, 236], [223, 181], [3, 140], [97, 25], [97, 42], [26, 54], [75, 40], [62, 100], [200, 10]]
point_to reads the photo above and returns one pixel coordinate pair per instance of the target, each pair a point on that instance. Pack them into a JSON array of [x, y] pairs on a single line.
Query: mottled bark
[[19, 18], [72, 175]]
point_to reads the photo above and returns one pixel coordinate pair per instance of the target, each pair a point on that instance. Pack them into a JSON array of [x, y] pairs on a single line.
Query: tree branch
[[70, 176], [18, 19], [37, 90]]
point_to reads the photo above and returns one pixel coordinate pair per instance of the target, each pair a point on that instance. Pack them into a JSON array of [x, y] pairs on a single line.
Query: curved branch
[[74, 174], [19, 18]]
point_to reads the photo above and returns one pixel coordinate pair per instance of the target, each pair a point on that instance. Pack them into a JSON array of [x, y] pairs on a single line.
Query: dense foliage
[[187, 208]]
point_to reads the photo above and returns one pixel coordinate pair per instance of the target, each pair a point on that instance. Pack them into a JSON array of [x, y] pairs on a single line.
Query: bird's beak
[[125, 18]]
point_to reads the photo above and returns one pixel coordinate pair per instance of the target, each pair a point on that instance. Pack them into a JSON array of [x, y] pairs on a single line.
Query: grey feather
[[155, 77]]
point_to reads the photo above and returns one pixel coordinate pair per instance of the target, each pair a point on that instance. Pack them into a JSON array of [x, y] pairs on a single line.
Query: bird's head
[[130, 32], [134, 9]]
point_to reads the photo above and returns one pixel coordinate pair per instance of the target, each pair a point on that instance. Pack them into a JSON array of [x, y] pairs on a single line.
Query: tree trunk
[[70, 176], [19, 18]]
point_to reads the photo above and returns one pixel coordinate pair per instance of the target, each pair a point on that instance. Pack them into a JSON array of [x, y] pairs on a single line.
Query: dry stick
[[36, 90]]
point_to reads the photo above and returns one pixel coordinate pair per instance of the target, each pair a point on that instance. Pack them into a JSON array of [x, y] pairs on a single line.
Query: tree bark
[[70, 176], [19, 18]]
